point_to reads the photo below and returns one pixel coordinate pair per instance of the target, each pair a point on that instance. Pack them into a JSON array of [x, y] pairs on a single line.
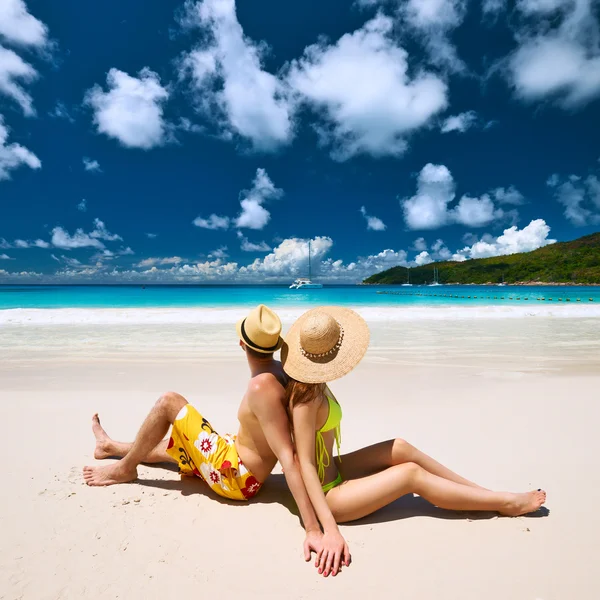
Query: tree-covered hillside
[[565, 262]]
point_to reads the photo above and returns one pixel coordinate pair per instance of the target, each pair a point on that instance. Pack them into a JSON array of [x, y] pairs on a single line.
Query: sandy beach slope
[[510, 404]]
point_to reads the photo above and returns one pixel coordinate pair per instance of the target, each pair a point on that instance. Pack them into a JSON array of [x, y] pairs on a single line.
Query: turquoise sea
[[136, 296]]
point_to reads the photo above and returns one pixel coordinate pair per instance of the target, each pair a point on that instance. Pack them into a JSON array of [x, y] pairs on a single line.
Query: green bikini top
[[334, 419]]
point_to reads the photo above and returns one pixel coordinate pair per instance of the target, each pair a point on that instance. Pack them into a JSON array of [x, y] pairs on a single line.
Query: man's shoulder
[[266, 385]]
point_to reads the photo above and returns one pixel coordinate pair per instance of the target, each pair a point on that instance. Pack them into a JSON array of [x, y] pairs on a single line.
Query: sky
[[209, 141]]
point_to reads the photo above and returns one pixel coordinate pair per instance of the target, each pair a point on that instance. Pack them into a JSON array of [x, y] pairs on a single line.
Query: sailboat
[[435, 277], [305, 282], [501, 284], [408, 283]]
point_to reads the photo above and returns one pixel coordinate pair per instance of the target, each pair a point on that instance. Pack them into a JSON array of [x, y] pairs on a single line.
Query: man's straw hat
[[261, 330], [324, 344]]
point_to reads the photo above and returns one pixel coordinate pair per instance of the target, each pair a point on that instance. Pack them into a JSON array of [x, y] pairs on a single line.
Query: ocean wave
[[218, 316]]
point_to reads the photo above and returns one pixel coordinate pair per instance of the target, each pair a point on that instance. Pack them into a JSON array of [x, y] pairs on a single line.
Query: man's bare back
[[251, 442]]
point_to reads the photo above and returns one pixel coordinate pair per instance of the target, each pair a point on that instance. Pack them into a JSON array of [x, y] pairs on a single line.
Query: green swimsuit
[[333, 422]]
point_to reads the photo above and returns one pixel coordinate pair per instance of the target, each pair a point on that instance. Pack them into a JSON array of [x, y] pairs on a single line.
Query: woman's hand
[[334, 553], [313, 542]]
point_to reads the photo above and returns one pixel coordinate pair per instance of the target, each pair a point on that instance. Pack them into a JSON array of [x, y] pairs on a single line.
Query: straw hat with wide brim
[[261, 330], [324, 344]]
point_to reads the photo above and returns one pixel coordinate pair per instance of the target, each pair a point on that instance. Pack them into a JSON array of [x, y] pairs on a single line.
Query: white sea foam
[[165, 316]]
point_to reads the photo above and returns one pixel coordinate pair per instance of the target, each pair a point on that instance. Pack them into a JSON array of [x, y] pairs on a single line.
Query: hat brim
[[249, 343], [332, 366]]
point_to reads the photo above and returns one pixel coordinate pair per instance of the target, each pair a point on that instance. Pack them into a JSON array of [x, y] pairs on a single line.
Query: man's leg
[[106, 447], [153, 429]]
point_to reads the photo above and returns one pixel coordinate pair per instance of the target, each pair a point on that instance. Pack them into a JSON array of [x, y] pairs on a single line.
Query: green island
[[571, 263]]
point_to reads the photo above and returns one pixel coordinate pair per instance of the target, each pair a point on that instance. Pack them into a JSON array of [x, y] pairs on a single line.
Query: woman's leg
[[106, 447], [383, 455], [357, 498]]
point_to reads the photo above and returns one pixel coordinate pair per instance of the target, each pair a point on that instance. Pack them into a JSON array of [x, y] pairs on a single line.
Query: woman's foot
[[110, 475], [521, 504], [103, 442]]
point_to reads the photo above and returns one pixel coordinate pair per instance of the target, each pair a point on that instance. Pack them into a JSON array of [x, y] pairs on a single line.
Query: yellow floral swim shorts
[[201, 451]]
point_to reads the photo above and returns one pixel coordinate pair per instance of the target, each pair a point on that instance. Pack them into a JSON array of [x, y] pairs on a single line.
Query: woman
[[323, 345]]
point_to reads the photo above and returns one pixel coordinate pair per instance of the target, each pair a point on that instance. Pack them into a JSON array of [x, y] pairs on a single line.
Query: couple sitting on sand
[[290, 415]]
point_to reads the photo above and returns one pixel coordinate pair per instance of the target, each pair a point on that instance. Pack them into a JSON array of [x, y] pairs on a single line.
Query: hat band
[[252, 344], [335, 348]]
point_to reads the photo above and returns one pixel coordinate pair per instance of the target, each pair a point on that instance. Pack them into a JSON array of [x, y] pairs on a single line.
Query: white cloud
[[290, 259], [19, 276], [593, 189], [492, 8], [557, 62], [429, 207], [513, 240], [419, 244], [19, 27], [5, 257], [151, 235], [362, 88], [219, 253], [373, 223], [91, 165], [475, 212], [13, 156], [62, 239], [27, 244], [232, 87], [132, 110], [580, 198], [248, 246], [100, 232], [440, 250], [151, 262], [60, 111], [12, 70], [510, 195], [433, 21], [254, 215], [460, 122], [82, 206], [423, 258], [213, 222]]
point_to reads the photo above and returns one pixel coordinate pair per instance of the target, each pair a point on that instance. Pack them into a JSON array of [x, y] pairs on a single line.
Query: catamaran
[[408, 283], [435, 277], [303, 283]]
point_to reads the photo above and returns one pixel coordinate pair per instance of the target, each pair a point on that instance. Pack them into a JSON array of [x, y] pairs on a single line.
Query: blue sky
[[208, 141]]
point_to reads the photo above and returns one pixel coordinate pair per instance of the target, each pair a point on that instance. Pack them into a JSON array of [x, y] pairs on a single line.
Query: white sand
[[512, 404]]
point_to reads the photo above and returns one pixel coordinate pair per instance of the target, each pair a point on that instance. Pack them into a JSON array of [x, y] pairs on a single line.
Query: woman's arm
[[335, 549]]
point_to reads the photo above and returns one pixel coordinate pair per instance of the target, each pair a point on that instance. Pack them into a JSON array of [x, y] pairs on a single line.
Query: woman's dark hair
[[297, 392]]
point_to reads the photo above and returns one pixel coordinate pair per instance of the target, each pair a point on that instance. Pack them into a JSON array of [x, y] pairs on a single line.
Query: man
[[234, 467]]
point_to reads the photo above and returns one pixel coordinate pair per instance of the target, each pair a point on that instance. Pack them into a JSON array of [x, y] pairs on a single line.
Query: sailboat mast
[[309, 274]]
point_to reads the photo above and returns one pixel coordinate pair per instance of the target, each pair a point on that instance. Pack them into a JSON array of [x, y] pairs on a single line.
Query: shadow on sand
[[275, 491]]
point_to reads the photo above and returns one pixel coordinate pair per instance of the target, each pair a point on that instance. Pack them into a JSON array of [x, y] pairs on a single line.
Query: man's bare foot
[[521, 504], [110, 475], [103, 442]]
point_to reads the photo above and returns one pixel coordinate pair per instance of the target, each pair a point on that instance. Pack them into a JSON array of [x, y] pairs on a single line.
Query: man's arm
[[264, 397]]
